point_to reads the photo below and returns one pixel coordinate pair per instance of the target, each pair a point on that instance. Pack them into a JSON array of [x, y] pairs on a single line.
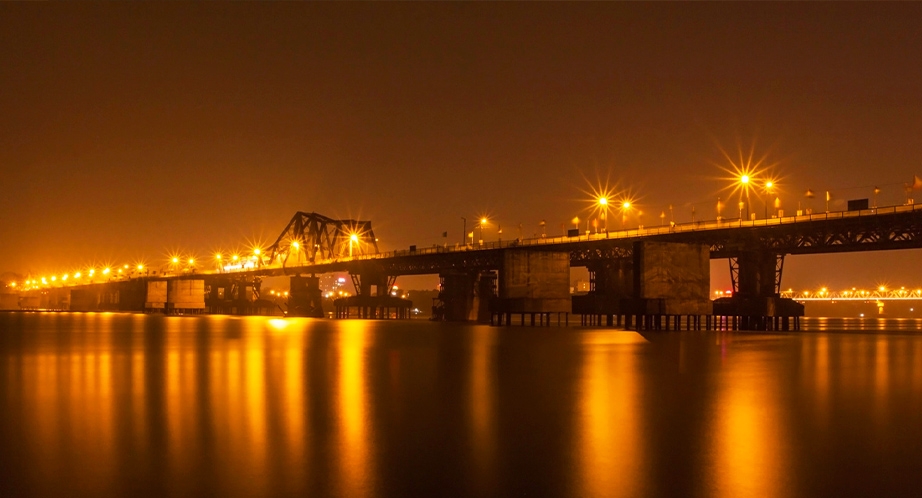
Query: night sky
[[128, 131]]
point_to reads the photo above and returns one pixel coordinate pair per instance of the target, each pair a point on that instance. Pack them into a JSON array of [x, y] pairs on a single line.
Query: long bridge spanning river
[[653, 277]]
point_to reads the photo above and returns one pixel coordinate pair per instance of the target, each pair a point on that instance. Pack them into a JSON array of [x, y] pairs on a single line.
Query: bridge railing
[[692, 226]]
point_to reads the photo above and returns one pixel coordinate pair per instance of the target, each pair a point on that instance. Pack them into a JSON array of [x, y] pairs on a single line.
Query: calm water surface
[[135, 405]]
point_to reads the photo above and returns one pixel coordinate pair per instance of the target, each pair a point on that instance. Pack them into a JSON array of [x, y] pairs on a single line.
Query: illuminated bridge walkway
[[647, 274], [861, 295]]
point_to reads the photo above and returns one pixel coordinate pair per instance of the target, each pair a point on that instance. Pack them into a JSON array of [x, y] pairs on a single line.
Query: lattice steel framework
[[310, 238], [883, 231]]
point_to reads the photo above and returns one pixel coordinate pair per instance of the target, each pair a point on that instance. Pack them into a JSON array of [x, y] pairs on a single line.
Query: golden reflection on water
[[356, 475], [749, 431], [226, 406], [482, 406], [611, 455]]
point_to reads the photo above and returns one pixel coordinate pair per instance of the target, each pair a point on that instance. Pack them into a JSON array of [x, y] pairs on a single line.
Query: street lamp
[[769, 186], [744, 182], [603, 208], [352, 239], [625, 207], [464, 230], [483, 221]]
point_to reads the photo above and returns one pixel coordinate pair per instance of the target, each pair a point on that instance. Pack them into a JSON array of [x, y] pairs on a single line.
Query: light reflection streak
[[608, 427], [253, 400], [821, 375], [881, 379], [353, 406], [482, 406], [749, 456]]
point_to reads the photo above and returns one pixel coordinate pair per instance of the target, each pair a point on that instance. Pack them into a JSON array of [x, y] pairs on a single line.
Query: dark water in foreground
[[134, 405]]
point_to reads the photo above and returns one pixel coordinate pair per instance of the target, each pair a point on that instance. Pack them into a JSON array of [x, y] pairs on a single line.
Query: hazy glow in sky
[[130, 132]]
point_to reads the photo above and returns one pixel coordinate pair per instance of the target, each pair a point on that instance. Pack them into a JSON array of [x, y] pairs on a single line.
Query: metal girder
[[585, 253], [310, 238], [837, 232], [439, 262]]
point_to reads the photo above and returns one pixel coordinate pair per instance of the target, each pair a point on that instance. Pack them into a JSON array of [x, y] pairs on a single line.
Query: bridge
[[649, 277]]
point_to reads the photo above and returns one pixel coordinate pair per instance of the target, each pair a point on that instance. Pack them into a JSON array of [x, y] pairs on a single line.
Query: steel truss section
[[310, 238]]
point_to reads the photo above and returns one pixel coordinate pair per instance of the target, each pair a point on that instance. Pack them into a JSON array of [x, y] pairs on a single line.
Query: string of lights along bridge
[[351, 240], [880, 293]]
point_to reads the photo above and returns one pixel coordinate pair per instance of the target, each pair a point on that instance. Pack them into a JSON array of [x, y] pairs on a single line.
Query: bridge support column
[[465, 296], [305, 297], [185, 296], [234, 294], [756, 273], [373, 299], [756, 303], [533, 282], [610, 281], [129, 295]]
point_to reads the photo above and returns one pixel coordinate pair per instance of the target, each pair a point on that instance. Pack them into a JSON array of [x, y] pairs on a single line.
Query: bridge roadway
[[885, 228], [644, 275]]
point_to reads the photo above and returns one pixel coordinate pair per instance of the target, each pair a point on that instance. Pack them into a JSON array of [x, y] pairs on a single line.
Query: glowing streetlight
[[744, 183], [625, 207], [354, 238], [483, 221], [603, 207], [769, 191]]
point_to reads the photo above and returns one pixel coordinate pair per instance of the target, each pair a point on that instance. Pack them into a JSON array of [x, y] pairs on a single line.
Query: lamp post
[[625, 206], [744, 181], [768, 190], [603, 208], [464, 230], [483, 221]]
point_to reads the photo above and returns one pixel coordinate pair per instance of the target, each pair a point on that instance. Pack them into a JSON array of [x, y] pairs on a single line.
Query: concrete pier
[[533, 284]]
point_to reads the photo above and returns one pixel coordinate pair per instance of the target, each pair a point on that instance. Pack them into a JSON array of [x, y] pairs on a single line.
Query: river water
[[101, 404]]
